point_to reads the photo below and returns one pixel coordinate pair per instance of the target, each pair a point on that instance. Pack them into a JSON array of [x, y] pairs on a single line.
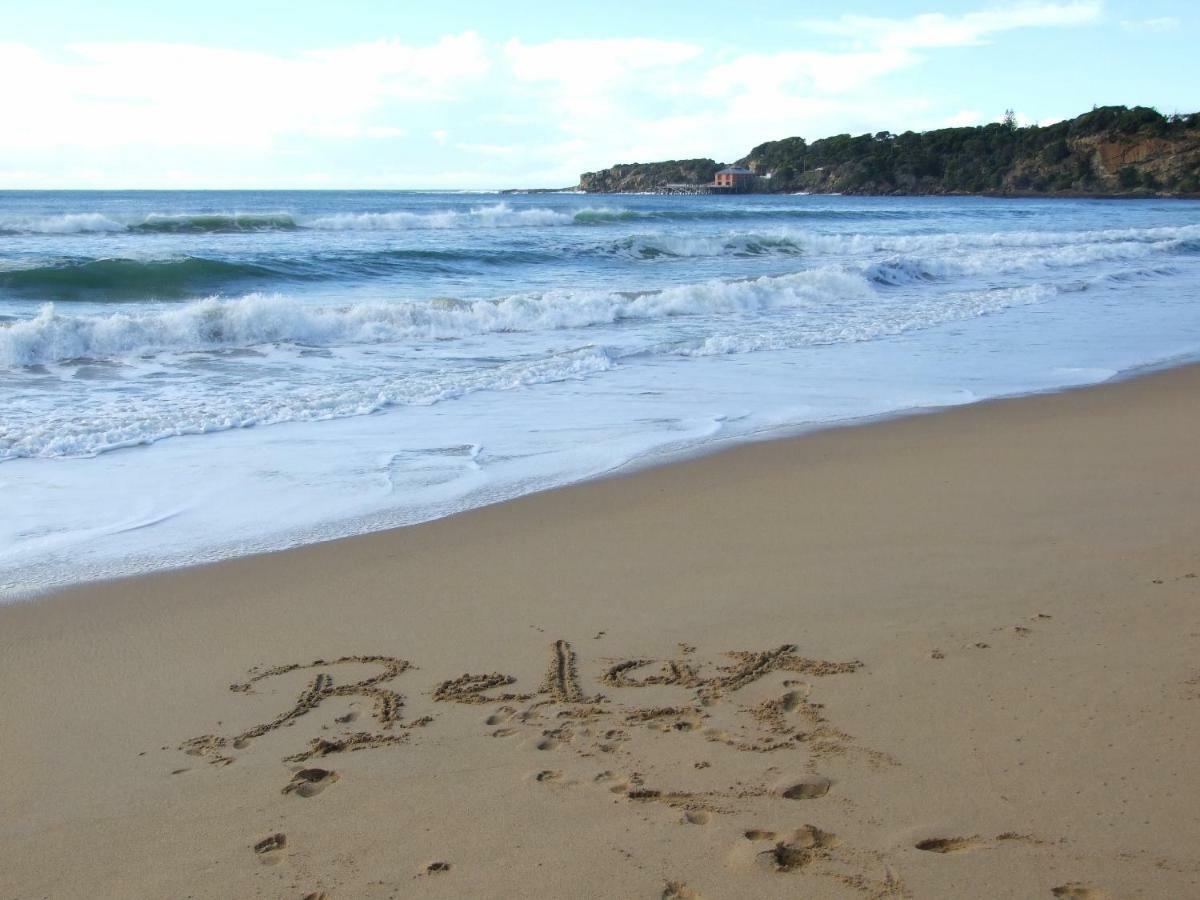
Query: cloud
[[962, 118], [582, 83], [932, 30], [595, 65], [105, 95], [493, 113], [1161, 24], [814, 71]]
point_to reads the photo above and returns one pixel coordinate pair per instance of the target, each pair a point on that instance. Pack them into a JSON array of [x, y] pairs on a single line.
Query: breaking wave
[[992, 260], [193, 277], [671, 246], [813, 308], [499, 215], [256, 319]]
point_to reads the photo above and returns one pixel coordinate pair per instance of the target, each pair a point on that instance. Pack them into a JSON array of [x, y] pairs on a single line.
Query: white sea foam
[[867, 324], [734, 243], [942, 254], [499, 215], [496, 215], [1167, 237], [257, 319], [69, 223], [991, 261], [116, 422], [264, 319], [795, 311]]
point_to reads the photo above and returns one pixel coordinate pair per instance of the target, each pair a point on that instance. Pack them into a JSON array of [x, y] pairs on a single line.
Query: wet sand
[[952, 655]]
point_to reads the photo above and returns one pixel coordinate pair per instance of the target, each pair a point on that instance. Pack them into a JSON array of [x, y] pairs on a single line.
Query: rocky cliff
[[1110, 151]]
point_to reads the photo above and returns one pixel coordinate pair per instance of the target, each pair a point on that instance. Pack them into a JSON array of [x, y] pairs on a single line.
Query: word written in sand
[[771, 724]]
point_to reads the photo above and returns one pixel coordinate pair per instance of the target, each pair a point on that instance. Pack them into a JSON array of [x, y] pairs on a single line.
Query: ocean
[[193, 376]]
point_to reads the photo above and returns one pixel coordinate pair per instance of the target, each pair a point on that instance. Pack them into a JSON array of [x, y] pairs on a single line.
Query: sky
[[362, 94]]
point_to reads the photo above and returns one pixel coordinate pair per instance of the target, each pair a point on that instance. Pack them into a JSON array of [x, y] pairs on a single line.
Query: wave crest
[[736, 244], [498, 215], [255, 319], [129, 279]]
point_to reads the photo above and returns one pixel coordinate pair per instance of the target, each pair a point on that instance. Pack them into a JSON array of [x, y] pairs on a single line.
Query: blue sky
[[357, 94]]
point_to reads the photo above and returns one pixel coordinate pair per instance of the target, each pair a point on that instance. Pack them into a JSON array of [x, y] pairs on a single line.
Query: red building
[[734, 178]]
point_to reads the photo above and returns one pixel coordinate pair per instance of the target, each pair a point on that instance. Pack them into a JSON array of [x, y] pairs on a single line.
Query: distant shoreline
[[1111, 151], [989, 195]]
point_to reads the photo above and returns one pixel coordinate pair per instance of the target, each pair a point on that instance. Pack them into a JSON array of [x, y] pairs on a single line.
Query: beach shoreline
[[352, 529], [992, 610]]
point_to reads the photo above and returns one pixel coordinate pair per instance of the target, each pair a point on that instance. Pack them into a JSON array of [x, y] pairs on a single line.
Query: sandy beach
[[951, 655]]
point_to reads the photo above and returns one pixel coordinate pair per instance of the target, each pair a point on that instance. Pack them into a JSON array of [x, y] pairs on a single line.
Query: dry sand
[[954, 655]]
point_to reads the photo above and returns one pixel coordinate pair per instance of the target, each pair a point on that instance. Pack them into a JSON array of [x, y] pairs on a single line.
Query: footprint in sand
[[617, 784], [788, 851], [316, 895], [548, 775], [504, 732], [677, 890], [500, 716], [757, 834], [948, 845], [438, 867], [347, 718], [270, 849], [801, 847], [310, 782], [809, 787], [1077, 891], [697, 817]]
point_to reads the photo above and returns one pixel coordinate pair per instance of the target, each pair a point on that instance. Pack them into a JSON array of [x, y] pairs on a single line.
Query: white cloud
[[582, 84], [939, 30], [484, 112], [817, 71], [594, 65], [1160, 24], [170, 95], [963, 117], [384, 132]]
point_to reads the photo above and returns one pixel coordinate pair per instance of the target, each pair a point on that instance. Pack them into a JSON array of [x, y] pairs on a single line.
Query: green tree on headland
[[1075, 156], [1108, 150]]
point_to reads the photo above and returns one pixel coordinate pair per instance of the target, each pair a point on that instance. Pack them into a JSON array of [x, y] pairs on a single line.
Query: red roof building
[[734, 178]]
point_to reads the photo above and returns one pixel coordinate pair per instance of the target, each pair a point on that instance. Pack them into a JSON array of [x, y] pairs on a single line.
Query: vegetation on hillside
[[1110, 150], [633, 177]]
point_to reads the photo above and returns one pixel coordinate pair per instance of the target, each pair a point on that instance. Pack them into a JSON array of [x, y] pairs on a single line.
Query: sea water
[[192, 376]]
